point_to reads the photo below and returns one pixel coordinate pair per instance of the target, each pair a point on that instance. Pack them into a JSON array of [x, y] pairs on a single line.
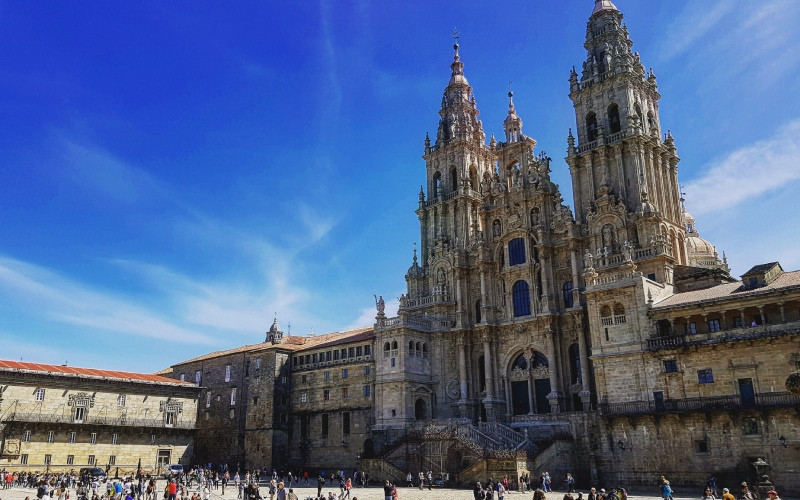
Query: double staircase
[[452, 446]]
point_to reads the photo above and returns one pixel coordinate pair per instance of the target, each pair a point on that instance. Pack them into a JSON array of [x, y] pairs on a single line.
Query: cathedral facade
[[610, 342]]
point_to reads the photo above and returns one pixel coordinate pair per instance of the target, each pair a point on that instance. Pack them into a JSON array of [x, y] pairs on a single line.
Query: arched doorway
[[420, 409], [529, 377]]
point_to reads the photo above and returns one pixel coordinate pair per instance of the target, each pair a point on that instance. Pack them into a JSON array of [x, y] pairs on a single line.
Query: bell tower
[[624, 169]]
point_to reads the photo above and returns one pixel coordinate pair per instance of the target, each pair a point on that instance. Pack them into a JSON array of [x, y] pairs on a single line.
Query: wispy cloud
[[748, 172], [366, 316], [695, 21], [63, 300]]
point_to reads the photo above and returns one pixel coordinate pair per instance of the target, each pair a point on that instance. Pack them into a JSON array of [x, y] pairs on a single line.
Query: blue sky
[[174, 173]]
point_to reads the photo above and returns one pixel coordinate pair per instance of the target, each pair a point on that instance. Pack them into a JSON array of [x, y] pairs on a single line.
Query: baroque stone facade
[[610, 342], [60, 418]]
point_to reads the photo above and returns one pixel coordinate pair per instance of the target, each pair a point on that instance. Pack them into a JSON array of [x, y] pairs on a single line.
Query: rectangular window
[[366, 371], [314, 358], [48, 459], [70, 459], [258, 363], [233, 396], [93, 438], [750, 426], [26, 437], [198, 375], [344, 372], [366, 391], [705, 376], [169, 418], [393, 362], [336, 355], [112, 460], [701, 446], [351, 352], [208, 399], [359, 351], [344, 392], [152, 439], [713, 325], [90, 460], [516, 251], [23, 459], [183, 377], [121, 400], [71, 437], [367, 350], [326, 395], [303, 379], [345, 423], [227, 373], [38, 395], [247, 368], [344, 353], [50, 436], [80, 414], [691, 328], [324, 425], [114, 438], [671, 366], [326, 376], [304, 397]]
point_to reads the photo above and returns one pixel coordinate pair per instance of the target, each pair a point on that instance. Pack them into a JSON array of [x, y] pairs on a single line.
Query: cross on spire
[[455, 34]]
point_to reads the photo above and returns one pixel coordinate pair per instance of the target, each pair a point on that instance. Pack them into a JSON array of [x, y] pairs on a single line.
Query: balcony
[[722, 336], [49, 418], [692, 405]]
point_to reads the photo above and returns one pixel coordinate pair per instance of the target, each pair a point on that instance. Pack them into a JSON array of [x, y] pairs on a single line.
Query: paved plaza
[[405, 493]]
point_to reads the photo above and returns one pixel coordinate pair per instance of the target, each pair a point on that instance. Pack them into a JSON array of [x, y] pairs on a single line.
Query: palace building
[[62, 418], [606, 339]]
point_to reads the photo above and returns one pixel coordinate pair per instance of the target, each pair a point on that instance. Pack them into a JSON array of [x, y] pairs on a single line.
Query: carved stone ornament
[[453, 390], [81, 399], [540, 371], [519, 374], [11, 448], [171, 406]]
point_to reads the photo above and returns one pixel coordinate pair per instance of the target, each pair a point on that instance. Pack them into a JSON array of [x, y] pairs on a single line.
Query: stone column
[[487, 366], [741, 316], [761, 313], [507, 391], [723, 325], [585, 394], [576, 298], [459, 302], [462, 369], [783, 312], [555, 394]]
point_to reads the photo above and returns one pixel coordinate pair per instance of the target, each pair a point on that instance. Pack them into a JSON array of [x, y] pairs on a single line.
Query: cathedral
[[608, 339]]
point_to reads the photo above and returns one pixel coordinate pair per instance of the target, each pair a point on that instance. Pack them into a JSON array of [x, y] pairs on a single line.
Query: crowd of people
[[199, 482]]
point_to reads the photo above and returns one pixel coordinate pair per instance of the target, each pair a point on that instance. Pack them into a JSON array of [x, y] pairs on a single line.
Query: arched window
[[478, 311], [418, 349], [521, 362], [453, 179], [591, 126], [567, 289], [394, 345], [386, 347], [575, 363], [522, 299], [420, 413], [436, 187], [539, 359], [619, 314], [411, 348], [424, 350], [606, 319], [613, 119], [516, 251]]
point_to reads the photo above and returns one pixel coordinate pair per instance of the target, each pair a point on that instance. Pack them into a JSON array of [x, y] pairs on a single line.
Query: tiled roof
[[729, 291], [72, 371], [294, 343], [761, 268]]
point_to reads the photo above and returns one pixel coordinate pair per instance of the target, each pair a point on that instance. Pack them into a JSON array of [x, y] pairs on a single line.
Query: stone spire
[[512, 123], [459, 114], [601, 5]]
